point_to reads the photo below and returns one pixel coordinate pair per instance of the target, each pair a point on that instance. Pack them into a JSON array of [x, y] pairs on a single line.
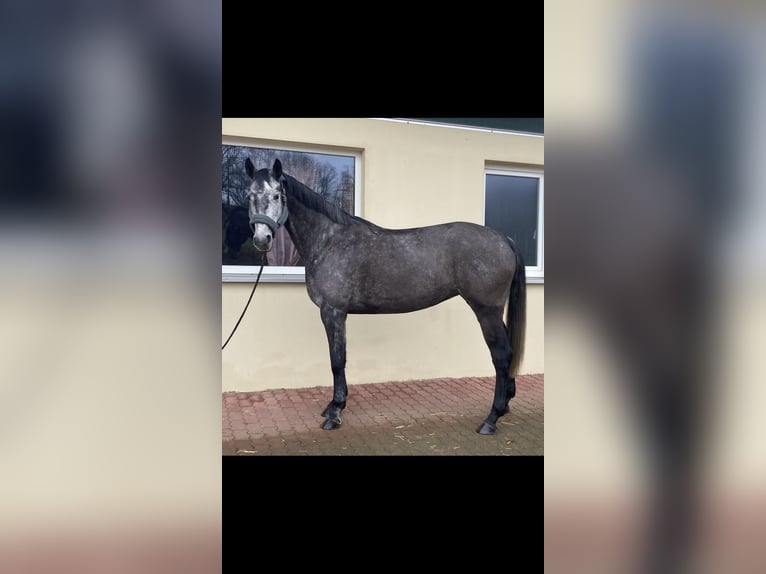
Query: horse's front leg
[[335, 325]]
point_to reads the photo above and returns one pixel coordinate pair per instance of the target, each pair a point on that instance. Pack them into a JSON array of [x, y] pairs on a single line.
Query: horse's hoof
[[486, 428], [330, 424], [326, 411]]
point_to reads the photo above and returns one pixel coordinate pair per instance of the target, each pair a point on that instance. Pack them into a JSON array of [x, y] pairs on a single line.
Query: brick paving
[[428, 417]]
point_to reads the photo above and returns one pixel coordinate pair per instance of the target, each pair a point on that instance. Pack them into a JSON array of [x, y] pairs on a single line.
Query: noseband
[[266, 220]]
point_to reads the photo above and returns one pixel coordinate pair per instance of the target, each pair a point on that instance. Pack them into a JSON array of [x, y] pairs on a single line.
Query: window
[[513, 204], [333, 174]]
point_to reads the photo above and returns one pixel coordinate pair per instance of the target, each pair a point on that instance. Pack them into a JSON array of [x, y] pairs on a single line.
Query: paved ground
[[438, 416]]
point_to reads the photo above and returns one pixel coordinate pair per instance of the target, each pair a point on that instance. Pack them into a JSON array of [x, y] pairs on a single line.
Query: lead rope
[[246, 305]]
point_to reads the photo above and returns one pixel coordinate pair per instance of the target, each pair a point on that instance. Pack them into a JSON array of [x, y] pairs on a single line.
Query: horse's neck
[[306, 227]]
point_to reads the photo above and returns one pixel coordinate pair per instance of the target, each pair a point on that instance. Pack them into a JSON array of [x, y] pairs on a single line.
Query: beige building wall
[[412, 175]]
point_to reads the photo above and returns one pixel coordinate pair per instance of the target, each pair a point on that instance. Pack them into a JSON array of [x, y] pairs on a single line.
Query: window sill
[[242, 274]]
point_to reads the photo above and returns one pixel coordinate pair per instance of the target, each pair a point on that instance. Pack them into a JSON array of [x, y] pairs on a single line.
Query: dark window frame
[[536, 273], [287, 274]]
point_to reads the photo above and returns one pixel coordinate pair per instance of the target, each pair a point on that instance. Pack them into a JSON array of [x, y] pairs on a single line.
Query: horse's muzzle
[[262, 249]]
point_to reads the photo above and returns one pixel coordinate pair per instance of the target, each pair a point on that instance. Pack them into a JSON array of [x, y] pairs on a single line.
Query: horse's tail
[[516, 314]]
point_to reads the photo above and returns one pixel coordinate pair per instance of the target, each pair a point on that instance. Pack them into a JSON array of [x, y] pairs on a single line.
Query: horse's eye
[[276, 197]]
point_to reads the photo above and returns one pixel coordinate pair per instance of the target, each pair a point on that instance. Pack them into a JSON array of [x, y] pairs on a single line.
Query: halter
[[266, 220]]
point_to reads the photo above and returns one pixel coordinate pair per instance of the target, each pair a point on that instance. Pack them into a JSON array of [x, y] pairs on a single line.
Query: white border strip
[[460, 127]]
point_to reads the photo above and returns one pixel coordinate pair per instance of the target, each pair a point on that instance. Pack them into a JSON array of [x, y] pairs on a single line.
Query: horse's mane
[[311, 199]]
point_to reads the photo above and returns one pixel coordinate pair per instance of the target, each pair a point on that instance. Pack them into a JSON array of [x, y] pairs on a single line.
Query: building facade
[[397, 174]]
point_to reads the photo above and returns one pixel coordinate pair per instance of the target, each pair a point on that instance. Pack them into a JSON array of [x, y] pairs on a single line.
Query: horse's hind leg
[[493, 328], [335, 325]]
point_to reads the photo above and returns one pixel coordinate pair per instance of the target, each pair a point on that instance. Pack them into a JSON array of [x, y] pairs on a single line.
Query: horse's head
[[267, 203]]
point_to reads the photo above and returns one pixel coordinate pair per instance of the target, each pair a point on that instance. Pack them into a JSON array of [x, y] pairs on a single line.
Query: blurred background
[[109, 291], [655, 130], [655, 210]]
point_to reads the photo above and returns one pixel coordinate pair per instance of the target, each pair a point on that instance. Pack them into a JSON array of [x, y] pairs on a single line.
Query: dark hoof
[[486, 428], [326, 411], [330, 424]]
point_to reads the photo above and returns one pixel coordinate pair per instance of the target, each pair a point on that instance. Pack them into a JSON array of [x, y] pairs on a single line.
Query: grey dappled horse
[[354, 266]]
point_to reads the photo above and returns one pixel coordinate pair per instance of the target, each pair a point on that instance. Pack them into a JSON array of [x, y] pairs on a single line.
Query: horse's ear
[[249, 168], [276, 171]]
